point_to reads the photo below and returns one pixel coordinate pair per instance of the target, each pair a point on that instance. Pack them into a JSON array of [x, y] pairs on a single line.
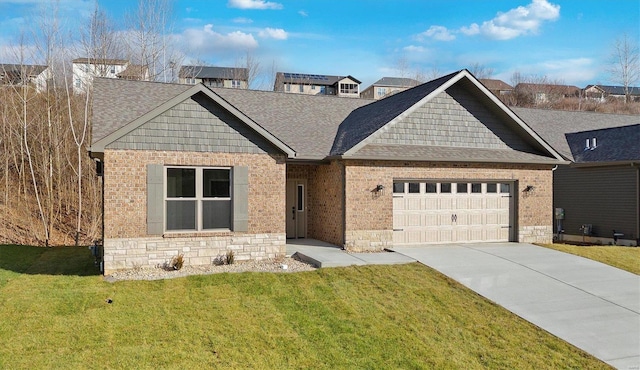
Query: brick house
[[200, 171]]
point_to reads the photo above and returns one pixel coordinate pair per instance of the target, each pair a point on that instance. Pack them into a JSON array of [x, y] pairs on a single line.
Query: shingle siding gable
[[454, 118], [196, 125]]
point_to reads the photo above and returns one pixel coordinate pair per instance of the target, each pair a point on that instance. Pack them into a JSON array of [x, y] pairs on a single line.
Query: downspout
[[343, 174], [637, 166]]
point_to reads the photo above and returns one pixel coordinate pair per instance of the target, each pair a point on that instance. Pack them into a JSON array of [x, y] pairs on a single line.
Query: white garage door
[[451, 212]]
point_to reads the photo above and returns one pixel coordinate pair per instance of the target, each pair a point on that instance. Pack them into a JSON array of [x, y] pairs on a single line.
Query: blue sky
[[567, 41]]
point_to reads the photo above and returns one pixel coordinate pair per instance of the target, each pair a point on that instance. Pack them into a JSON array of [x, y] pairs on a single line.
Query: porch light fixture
[[528, 188], [379, 188]]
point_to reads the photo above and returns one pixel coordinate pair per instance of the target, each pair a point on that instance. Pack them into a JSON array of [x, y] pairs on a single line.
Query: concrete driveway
[[588, 304]]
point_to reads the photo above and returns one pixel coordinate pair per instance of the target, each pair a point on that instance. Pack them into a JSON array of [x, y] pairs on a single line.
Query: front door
[[296, 204]]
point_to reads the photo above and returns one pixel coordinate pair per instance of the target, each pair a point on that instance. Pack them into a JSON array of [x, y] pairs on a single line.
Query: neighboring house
[[600, 186], [230, 77], [545, 93], [86, 69], [388, 86], [204, 171], [602, 92], [309, 84], [498, 87], [37, 76]]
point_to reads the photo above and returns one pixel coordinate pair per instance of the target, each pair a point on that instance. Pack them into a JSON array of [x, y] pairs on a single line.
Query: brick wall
[[324, 200], [369, 215], [125, 206]]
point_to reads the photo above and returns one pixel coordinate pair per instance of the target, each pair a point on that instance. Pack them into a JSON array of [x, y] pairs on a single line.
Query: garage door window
[[445, 187], [461, 188], [476, 188], [432, 187], [492, 188], [398, 187], [505, 188], [414, 187]]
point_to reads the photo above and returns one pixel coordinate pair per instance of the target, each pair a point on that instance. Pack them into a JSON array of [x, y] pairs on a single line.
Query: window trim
[[199, 198]]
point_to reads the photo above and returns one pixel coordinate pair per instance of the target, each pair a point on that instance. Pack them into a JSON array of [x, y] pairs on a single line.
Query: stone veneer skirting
[[158, 251], [368, 240], [536, 234]]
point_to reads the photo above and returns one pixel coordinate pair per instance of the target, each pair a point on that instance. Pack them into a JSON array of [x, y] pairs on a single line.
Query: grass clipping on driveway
[[55, 315]]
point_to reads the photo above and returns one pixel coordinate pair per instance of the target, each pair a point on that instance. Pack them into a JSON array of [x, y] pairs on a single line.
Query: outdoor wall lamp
[[379, 188], [528, 188]]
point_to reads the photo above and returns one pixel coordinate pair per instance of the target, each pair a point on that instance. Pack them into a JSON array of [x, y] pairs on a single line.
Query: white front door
[[295, 211], [452, 212]]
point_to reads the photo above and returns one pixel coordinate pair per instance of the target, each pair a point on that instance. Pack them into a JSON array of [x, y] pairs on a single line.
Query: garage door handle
[[398, 229]]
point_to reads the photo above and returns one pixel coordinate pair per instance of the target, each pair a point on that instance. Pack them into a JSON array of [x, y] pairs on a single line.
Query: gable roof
[[615, 90], [317, 127], [307, 123], [157, 105], [611, 144], [213, 72], [495, 84], [365, 124], [552, 125], [117, 62], [19, 69]]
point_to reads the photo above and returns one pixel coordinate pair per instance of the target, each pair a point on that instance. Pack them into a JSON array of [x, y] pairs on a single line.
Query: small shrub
[[230, 258], [177, 262]]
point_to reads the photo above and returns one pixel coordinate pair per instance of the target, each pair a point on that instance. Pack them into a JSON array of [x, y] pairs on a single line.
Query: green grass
[[54, 315], [625, 258]]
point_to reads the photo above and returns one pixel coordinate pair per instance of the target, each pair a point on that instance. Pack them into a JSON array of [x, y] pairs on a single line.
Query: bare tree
[[148, 43], [480, 70], [625, 64]]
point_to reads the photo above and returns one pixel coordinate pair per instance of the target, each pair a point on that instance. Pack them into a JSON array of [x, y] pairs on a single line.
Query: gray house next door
[[296, 209]]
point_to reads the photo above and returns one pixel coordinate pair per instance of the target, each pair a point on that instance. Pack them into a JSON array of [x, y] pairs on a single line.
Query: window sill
[[198, 234]]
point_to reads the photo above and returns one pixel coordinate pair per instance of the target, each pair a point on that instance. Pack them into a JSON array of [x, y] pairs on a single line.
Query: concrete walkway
[[593, 306], [323, 254]]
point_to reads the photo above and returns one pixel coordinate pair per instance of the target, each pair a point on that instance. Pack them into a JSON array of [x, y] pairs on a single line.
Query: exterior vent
[[590, 144]]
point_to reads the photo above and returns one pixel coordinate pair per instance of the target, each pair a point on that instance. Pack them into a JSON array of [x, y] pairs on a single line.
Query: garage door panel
[[451, 217]]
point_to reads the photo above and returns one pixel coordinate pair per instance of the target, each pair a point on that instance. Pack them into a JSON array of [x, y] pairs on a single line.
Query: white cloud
[[415, 49], [273, 33], [206, 40], [254, 4], [303, 13], [439, 33], [243, 20], [574, 71], [516, 22]]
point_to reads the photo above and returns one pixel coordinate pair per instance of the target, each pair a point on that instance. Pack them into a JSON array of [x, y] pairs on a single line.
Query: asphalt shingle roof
[[366, 120], [117, 102], [552, 125], [612, 144]]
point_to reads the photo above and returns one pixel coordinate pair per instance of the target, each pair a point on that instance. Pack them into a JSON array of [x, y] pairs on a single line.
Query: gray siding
[[453, 119], [196, 125], [605, 197]]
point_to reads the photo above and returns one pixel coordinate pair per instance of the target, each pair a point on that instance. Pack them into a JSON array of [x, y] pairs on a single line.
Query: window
[[235, 84], [197, 198], [445, 187], [313, 87], [381, 91], [476, 188], [113, 70], [398, 187], [492, 188], [461, 188], [414, 187], [348, 88], [505, 188], [301, 88], [287, 87], [432, 187]]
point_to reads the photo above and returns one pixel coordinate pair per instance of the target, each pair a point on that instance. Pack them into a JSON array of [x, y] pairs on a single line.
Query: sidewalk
[[323, 254]]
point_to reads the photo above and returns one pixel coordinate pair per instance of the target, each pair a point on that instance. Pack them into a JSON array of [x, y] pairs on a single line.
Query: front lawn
[[625, 258], [55, 314]]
